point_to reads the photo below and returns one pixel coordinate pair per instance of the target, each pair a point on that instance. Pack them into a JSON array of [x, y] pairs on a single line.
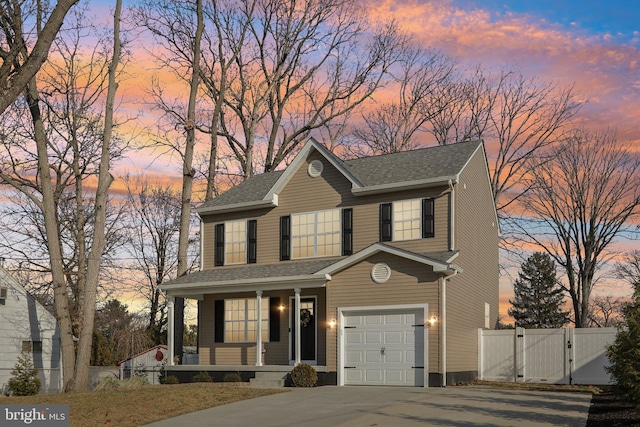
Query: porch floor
[[238, 368]]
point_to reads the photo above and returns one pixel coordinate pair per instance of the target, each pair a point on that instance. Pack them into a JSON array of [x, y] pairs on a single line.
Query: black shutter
[[428, 218], [385, 222], [219, 320], [274, 319], [285, 238], [219, 249], [252, 241], [347, 231]]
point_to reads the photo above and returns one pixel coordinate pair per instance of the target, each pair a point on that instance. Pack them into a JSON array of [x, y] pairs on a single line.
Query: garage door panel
[[396, 333], [373, 337]]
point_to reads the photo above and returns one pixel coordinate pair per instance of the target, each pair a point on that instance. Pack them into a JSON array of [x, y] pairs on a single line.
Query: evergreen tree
[[538, 298], [24, 380]]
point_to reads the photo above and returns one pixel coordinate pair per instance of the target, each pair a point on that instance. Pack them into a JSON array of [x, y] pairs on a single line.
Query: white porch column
[[170, 327], [296, 326], [259, 329]]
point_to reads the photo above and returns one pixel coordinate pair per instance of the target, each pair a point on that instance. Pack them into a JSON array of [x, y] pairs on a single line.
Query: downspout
[[443, 326], [452, 216], [201, 245]]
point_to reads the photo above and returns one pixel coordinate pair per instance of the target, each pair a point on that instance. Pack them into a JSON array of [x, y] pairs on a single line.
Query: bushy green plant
[[24, 381], [233, 377], [303, 375], [202, 377], [624, 355]]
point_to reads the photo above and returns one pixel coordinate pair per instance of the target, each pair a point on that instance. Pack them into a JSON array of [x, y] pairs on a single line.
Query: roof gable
[[368, 175]]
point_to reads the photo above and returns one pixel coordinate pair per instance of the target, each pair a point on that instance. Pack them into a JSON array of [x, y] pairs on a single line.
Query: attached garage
[[383, 346]]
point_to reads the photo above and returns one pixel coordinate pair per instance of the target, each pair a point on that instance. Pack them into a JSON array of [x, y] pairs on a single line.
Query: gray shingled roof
[[415, 165], [251, 190], [424, 164], [253, 271], [266, 271]]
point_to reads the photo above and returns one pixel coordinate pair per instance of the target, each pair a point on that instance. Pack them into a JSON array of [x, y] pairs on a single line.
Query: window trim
[[315, 233], [4, 292], [394, 221], [266, 307]]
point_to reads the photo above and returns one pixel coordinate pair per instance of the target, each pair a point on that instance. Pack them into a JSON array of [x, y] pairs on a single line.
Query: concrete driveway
[[397, 407]]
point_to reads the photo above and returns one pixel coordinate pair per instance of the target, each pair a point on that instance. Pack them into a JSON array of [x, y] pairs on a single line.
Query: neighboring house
[[377, 270], [146, 364], [26, 326]]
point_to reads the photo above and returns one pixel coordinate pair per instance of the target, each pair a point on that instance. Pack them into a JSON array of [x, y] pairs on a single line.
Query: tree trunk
[[187, 181]]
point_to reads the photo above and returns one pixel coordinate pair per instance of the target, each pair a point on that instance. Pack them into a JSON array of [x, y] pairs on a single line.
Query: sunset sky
[[594, 45]]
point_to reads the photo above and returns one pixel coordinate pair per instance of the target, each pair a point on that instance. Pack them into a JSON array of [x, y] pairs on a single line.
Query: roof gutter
[[408, 185], [237, 207]]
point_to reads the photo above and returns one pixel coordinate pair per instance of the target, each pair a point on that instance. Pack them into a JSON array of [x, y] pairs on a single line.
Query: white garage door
[[384, 348]]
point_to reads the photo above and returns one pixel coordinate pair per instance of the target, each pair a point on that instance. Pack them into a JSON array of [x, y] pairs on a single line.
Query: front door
[[307, 325]]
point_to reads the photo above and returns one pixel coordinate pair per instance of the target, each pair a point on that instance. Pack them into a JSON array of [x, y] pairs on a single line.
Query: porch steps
[[268, 380]]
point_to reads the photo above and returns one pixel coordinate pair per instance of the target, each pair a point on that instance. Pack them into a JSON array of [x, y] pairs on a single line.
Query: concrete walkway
[[396, 407]]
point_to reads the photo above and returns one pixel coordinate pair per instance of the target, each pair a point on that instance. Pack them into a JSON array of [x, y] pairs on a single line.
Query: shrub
[[24, 381], [202, 377], [233, 377], [169, 379], [624, 355], [303, 375]]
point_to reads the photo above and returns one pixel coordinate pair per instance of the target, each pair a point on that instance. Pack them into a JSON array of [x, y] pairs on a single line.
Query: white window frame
[[315, 234], [230, 243], [395, 221], [245, 321]]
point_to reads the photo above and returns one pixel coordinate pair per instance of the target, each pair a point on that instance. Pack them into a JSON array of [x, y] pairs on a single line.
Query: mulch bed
[[609, 410]]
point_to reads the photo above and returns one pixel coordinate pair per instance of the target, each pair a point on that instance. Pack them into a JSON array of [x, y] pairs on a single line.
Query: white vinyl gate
[[384, 347], [557, 356]]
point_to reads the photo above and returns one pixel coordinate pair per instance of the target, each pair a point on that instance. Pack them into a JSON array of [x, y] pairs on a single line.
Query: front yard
[[131, 407]]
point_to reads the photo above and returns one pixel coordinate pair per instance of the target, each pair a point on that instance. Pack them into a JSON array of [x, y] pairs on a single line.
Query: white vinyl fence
[[555, 356]]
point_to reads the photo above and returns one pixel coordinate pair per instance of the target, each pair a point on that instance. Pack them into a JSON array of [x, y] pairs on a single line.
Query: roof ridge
[[404, 152]]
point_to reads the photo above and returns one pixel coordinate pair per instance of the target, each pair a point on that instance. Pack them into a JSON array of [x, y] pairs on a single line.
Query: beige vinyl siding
[[410, 283], [476, 236], [330, 190], [277, 353]]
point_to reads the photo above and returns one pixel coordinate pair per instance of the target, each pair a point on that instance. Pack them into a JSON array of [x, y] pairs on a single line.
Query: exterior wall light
[[281, 307], [332, 323], [433, 320]]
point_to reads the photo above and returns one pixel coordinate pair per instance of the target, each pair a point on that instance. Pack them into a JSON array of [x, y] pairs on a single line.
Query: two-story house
[[377, 270]]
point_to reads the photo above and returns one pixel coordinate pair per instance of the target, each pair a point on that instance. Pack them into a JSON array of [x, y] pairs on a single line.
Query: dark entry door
[[307, 325]]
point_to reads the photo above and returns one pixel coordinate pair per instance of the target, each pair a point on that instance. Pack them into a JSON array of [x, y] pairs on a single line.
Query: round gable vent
[[315, 168], [380, 272]]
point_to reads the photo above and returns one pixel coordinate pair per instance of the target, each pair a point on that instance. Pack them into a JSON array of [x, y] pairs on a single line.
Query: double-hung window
[[407, 220], [236, 242], [315, 234], [3, 295], [241, 320]]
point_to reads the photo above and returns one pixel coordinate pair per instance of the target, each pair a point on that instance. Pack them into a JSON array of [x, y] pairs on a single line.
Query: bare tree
[[393, 126], [154, 221], [629, 270], [582, 195], [19, 64], [606, 312], [65, 181], [304, 64], [515, 115]]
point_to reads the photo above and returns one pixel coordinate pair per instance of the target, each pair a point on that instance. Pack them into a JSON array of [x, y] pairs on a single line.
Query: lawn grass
[[135, 406]]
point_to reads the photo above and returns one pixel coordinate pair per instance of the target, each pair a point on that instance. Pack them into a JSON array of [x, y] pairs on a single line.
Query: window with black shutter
[[252, 241], [219, 247], [428, 218], [285, 238], [385, 222], [347, 231]]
